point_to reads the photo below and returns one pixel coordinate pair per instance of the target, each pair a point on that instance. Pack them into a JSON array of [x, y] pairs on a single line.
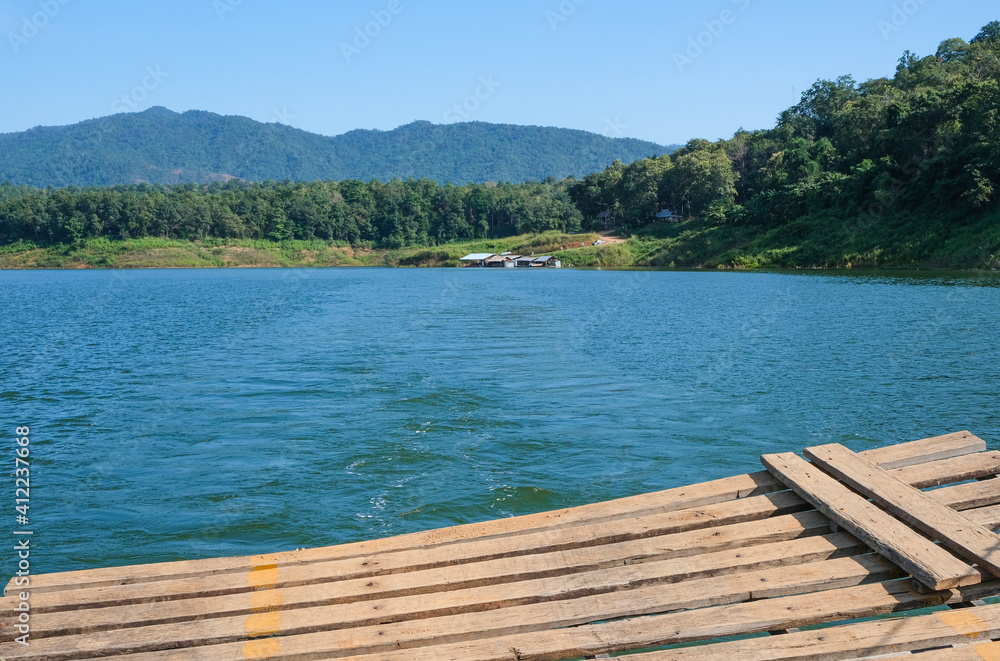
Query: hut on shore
[[667, 216], [508, 261], [478, 258]]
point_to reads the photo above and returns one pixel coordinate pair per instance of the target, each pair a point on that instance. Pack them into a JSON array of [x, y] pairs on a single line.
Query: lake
[[192, 414]]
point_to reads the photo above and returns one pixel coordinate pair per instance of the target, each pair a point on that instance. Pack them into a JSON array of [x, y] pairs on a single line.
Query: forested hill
[[159, 146], [902, 169]]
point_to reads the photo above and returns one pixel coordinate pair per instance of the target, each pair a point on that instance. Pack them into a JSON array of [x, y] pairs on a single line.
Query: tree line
[[926, 140], [390, 215]]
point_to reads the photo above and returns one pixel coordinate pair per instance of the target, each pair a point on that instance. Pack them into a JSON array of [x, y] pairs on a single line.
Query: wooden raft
[[840, 537]]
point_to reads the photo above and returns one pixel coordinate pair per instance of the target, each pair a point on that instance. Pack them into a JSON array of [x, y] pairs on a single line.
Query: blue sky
[[623, 68]]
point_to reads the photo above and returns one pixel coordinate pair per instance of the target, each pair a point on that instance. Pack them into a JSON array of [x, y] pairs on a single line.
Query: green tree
[[702, 180]]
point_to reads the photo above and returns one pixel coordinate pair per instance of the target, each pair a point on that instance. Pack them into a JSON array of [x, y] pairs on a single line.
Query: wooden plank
[[339, 581], [928, 563], [852, 641], [603, 638], [179, 657], [704, 543], [736, 539], [699, 495], [750, 509], [304, 628], [354, 578], [946, 471], [930, 449], [920, 510], [656, 631], [359, 612], [986, 517], [103, 619], [277, 576], [970, 495], [325, 623]]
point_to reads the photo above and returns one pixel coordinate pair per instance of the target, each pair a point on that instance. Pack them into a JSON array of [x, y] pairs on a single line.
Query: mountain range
[[159, 146]]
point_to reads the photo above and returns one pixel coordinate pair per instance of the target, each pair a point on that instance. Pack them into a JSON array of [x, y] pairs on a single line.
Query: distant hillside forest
[[384, 215], [901, 170], [906, 159], [159, 146]]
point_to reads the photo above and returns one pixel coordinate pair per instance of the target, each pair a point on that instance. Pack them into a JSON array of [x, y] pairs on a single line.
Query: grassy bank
[[828, 241], [819, 241], [166, 253], [224, 253]]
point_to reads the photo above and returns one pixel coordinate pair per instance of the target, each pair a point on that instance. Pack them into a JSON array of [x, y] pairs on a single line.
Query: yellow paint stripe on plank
[[965, 621], [263, 576], [262, 649], [263, 624], [988, 651], [263, 601]]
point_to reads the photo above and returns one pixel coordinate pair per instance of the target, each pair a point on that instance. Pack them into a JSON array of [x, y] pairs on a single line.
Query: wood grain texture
[[853, 641], [768, 555], [610, 637], [918, 509], [380, 576], [442, 618], [733, 556], [207, 640], [927, 562], [698, 495]]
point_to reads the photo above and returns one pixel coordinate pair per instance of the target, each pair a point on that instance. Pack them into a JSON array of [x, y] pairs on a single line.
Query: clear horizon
[[666, 74]]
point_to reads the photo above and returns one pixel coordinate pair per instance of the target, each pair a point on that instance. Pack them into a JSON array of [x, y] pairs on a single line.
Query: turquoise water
[[191, 414]]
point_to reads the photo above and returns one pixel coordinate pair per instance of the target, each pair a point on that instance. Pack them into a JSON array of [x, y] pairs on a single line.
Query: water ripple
[[190, 414]]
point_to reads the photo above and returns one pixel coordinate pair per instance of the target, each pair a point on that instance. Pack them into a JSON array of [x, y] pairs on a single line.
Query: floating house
[[509, 261], [546, 261], [499, 261], [525, 261], [478, 258]]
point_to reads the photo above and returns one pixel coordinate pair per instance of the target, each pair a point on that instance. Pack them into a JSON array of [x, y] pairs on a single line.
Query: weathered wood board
[[734, 556], [929, 563], [918, 509]]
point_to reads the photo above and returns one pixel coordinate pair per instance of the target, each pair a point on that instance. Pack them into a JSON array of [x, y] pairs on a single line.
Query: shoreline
[[690, 246], [866, 270]]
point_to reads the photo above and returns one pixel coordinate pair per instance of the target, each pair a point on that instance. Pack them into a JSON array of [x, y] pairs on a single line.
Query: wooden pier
[[839, 537]]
